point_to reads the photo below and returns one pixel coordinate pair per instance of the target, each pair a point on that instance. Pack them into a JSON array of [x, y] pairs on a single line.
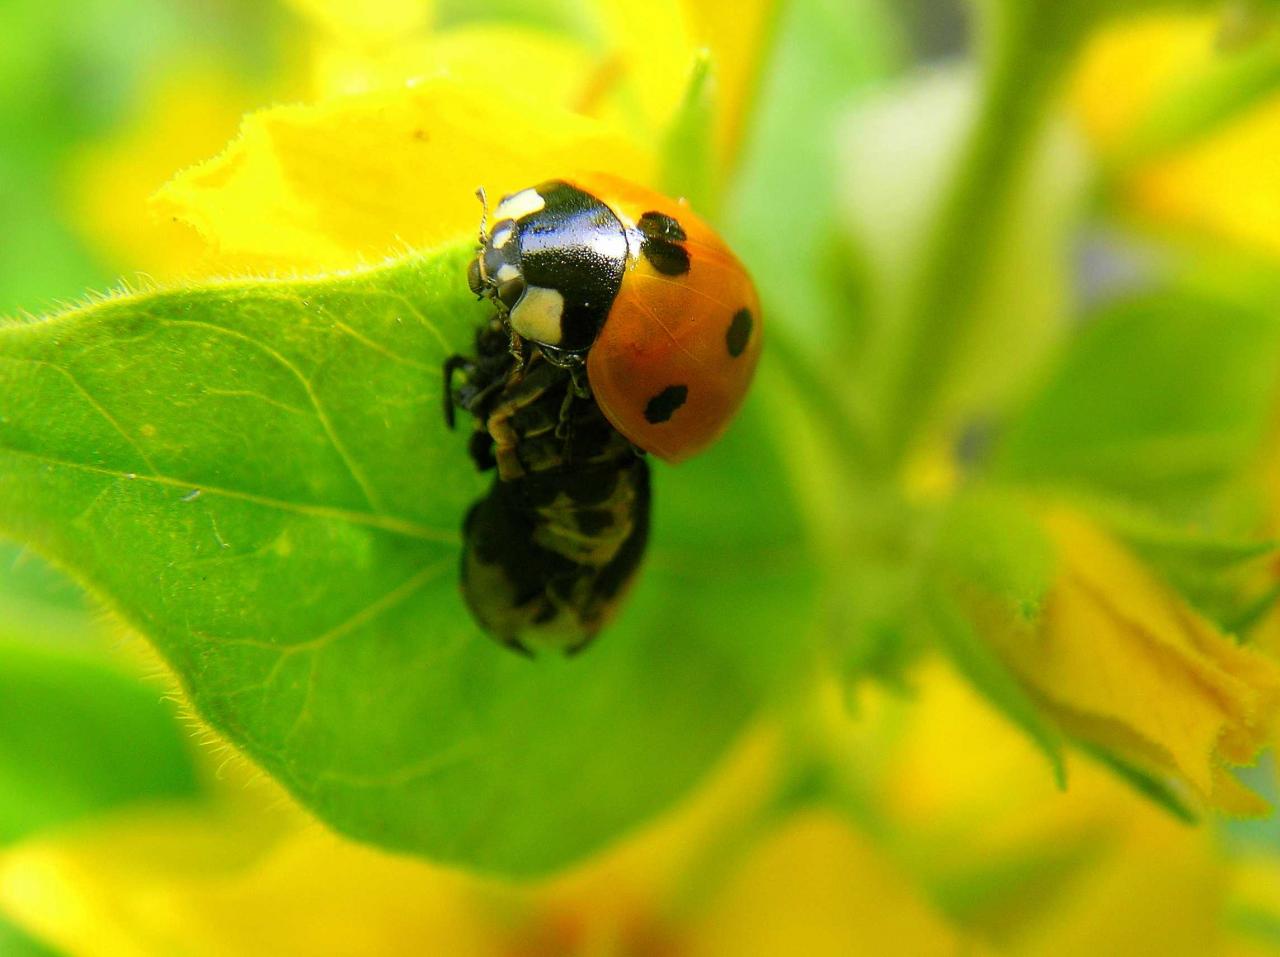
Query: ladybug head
[[495, 273]]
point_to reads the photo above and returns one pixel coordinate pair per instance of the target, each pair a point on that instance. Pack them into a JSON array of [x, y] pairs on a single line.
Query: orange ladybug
[[631, 284]]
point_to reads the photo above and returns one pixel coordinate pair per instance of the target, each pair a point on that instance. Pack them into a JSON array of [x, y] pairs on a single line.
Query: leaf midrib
[[379, 520]]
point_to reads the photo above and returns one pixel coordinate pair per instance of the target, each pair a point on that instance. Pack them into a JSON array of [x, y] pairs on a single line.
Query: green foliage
[[780, 216], [77, 733], [988, 541], [1167, 794], [688, 156], [77, 736], [15, 943], [258, 477], [1223, 573], [1159, 398], [1195, 109]]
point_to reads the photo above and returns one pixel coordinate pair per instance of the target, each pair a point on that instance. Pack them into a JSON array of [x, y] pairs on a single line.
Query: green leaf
[[77, 733], [688, 154], [15, 943], [989, 541], [257, 476], [78, 736], [1158, 399], [39, 605], [780, 216], [1219, 570]]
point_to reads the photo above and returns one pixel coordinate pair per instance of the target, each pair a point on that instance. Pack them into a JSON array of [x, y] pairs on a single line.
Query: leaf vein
[[378, 520], [357, 474], [93, 402]]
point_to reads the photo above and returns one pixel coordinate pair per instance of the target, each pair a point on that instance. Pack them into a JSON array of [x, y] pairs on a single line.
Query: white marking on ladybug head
[[507, 272], [502, 236], [537, 316], [519, 205]]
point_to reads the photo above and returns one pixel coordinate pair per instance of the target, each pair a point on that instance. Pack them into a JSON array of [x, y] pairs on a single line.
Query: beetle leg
[[452, 365], [517, 349], [521, 391], [578, 379], [564, 427]]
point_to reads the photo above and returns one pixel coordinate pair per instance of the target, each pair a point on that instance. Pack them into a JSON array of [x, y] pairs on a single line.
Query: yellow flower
[[184, 116], [1124, 662], [241, 880], [411, 120], [1031, 869], [1221, 185], [363, 177]]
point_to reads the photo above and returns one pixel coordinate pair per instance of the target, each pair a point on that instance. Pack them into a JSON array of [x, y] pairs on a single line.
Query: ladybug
[[622, 325], [602, 272]]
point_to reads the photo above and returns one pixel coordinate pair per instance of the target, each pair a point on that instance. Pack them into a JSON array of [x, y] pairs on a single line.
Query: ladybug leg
[[517, 349], [452, 365], [521, 391], [564, 427], [578, 380]]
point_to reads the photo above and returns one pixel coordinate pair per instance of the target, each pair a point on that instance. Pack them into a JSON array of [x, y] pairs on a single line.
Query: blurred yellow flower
[[1219, 185], [1031, 869], [1126, 72], [356, 178], [1124, 662], [186, 115], [240, 881]]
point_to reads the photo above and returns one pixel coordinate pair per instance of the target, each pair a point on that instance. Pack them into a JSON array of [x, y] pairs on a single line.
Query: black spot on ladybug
[[657, 225], [661, 244], [739, 332], [668, 258], [664, 405]]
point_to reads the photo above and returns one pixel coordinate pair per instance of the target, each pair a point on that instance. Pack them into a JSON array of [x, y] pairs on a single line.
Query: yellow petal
[[1155, 889], [652, 45], [108, 893], [818, 888], [1127, 70], [1094, 869], [367, 20], [1224, 187], [358, 178], [186, 117], [481, 57], [655, 43], [1129, 664], [252, 875]]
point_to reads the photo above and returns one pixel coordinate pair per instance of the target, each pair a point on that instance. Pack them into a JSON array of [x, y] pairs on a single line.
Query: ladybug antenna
[[484, 215]]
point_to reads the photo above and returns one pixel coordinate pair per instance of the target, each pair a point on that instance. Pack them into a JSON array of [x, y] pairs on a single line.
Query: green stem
[[1021, 78], [826, 400]]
